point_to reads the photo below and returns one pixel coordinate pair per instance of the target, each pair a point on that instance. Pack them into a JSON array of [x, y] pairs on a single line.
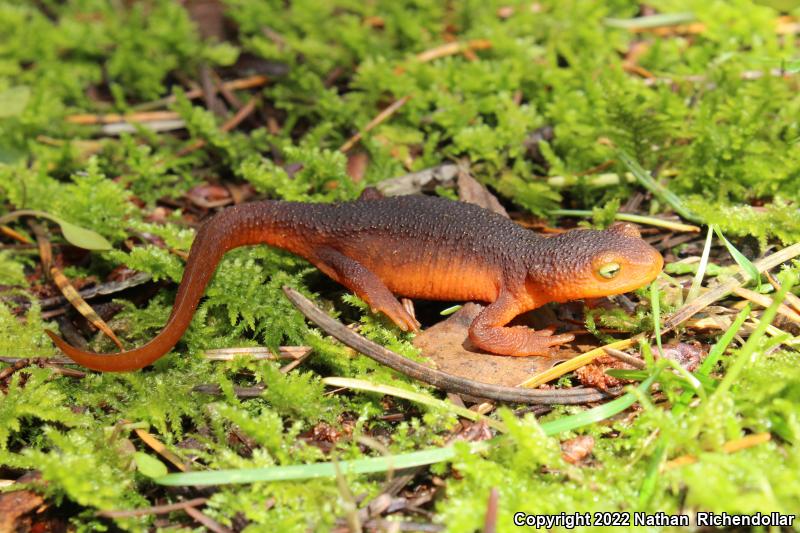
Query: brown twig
[[51, 361], [156, 509], [234, 121], [379, 118], [9, 232], [207, 521], [239, 392], [257, 353], [103, 289], [437, 378], [490, 522], [233, 85], [88, 119], [57, 369], [725, 288], [765, 301], [71, 294], [297, 362], [453, 48], [65, 286], [791, 298], [625, 358], [18, 365], [161, 449]]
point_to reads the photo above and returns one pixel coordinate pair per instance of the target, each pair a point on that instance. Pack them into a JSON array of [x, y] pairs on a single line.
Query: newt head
[[591, 264]]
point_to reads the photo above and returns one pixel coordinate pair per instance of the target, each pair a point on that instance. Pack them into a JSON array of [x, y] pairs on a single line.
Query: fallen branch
[[437, 378], [158, 509]]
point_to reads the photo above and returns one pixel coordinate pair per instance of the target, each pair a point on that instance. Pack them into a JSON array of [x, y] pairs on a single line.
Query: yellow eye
[[609, 270]]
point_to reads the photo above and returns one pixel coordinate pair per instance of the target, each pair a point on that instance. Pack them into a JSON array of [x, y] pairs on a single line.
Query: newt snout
[[591, 264]]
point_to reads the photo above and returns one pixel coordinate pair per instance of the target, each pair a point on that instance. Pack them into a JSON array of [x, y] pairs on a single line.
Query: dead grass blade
[[72, 296], [161, 449], [378, 120], [729, 447]]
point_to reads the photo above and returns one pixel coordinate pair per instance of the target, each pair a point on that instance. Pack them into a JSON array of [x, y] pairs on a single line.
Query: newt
[[418, 247]]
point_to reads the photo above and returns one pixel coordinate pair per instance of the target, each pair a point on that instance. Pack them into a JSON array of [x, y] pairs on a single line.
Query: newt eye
[[609, 270]]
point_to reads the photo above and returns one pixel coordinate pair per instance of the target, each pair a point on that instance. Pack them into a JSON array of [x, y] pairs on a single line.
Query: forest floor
[[125, 125]]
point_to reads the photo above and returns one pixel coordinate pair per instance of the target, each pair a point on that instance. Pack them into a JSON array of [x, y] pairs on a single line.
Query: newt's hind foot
[[366, 285]]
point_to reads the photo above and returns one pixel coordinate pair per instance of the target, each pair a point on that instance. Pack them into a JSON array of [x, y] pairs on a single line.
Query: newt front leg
[[487, 331]]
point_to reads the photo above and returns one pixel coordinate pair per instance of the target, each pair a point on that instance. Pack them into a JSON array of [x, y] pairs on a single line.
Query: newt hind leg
[[489, 333], [366, 285]]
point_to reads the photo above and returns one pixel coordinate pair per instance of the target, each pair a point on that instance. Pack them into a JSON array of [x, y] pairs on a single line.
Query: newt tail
[[210, 244], [418, 247]]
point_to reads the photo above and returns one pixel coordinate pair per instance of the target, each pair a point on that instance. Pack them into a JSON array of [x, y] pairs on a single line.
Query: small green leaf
[[82, 237], [10, 155], [694, 290], [149, 465], [450, 310], [13, 101]]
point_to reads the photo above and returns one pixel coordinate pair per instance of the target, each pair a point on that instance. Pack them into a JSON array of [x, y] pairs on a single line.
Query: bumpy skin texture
[[419, 247]]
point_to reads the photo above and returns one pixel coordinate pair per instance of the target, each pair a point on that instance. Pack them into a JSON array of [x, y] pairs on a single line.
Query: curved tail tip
[[55, 338], [85, 359], [62, 345]]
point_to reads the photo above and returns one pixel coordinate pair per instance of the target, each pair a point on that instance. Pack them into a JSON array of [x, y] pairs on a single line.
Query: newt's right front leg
[[487, 331]]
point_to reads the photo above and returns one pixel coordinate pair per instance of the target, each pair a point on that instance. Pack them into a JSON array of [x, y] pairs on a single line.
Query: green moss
[[713, 125], [23, 337]]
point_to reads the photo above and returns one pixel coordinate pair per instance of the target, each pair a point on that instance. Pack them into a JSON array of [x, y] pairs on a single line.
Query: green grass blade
[[316, 470], [660, 192], [697, 282], [651, 21], [722, 344], [651, 476], [598, 413], [745, 264], [655, 304], [358, 384], [394, 462], [711, 360], [754, 339]]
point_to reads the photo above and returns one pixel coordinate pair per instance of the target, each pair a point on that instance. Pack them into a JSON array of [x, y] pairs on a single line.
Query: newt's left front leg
[[487, 331]]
